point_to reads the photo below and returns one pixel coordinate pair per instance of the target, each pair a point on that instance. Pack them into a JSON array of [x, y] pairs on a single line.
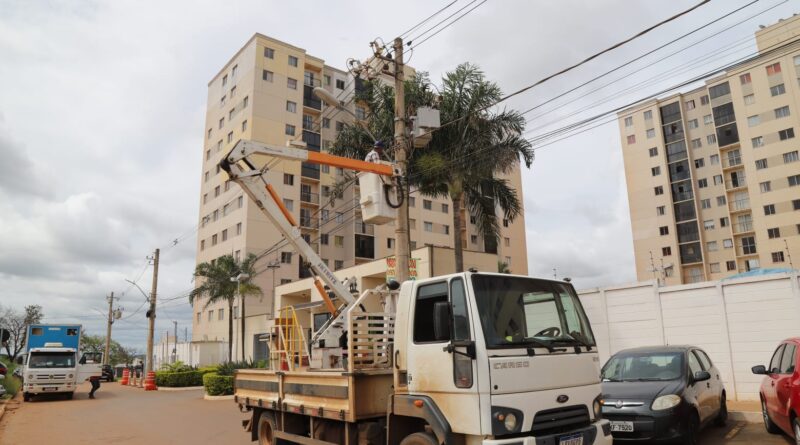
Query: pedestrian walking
[[95, 381]]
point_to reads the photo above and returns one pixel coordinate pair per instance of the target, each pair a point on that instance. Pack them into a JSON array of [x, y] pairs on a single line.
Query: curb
[[184, 388], [213, 398], [746, 416]]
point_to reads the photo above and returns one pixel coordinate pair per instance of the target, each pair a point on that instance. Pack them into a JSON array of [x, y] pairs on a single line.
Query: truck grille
[[559, 420], [49, 377]]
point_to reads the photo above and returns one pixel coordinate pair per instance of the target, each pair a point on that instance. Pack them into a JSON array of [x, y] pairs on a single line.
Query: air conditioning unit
[[423, 124]]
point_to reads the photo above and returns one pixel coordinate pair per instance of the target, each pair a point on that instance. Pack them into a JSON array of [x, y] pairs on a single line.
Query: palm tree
[[465, 159], [217, 286]]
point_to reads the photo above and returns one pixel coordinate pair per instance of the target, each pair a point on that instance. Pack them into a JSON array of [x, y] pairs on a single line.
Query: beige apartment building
[[713, 173], [264, 93]]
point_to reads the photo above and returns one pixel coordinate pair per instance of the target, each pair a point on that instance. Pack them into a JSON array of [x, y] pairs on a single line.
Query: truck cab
[[503, 358]]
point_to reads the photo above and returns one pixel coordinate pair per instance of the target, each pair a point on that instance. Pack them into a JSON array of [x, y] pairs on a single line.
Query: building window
[[290, 130], [390, 243], [711, 139], [761, 164], [713, 159], [216, 191], [777, 257], [653, 152], [288, 179], [505, 221], [648, 115], [712, 246], [727, 243], [702, 183], [709, 224], [238, 228], [291, 83], [428, 226], [757, 141], [661, 210], [339, 217], [752, 121], [659, 190], [629, 121], [292, 61], [473, 239], [786, 134], [749, 99], [205, 177], [693, 123], [663, 230], [323, 239], [632, 139], [705, 203], [446, 229], [230, 137], [724, 221], [745, 78], [224, 80], [714, 267], [233, 91], [769, 209], [696, 143], [286, 257], [651, 133], [777, 90], [708, 120], [267, 75], [339, 84], [203, 244], [717, 179], [699, 163], [221, 122], [199, 316], [774, 232], [796, 204], [269, 53], [214, 239], [327, 79], [721, 200], [790, 157], [507, 241], [730, 265], [775, 68], [225, 235], [338, 264], [291, 106], [244, 126], [215, 215], [782, 112], [655, 170], [240, 202], [289, 204], [210, 315], [765, 186], [339, 126], [326, 123], [749, 245], [690, 104], [245, 101], [704, 100], [446, 207], [338, 241]]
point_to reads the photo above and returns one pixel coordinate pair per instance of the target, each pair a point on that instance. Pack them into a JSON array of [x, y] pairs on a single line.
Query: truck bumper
[[598, 433], [48, 388]]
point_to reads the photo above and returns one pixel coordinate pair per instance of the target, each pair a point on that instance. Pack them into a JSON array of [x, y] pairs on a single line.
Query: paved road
[[123, 415]]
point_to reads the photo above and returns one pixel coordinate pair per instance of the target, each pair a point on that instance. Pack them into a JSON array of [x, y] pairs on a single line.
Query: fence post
[[724, 305]]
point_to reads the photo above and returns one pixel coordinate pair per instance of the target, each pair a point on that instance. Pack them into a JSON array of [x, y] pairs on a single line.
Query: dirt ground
[[123, 415]]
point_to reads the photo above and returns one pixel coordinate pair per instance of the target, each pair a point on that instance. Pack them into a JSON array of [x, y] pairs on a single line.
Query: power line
[[447, 25], [428, 18]]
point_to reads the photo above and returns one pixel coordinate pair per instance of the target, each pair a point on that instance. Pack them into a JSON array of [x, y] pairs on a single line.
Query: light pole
[[274, 264], [238, 279], [325, 96]]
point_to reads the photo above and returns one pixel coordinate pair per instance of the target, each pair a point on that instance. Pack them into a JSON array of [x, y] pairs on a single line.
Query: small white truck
[[52, 362], [464, 359]]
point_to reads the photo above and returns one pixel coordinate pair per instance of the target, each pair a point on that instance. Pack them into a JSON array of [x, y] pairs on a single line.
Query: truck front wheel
[[419, 439], [69, 395], [26, 397], [266, 429]]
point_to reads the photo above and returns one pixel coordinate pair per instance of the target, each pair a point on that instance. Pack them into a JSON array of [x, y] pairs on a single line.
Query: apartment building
[[265, 93], [713, 173]]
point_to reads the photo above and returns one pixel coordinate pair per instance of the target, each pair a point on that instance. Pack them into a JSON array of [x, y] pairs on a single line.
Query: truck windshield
[[525, 312], [52, 360]]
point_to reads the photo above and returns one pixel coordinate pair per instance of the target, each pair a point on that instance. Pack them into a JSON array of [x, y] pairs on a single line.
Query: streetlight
[[238, 279], [326, 96]]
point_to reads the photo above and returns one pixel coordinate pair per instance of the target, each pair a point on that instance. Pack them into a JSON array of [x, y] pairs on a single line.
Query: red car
[[780, 390], [3, 369]]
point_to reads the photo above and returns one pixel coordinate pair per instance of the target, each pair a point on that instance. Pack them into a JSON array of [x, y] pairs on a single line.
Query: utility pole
[[110, 300], [403, 246], [151, 314], [175, 343]]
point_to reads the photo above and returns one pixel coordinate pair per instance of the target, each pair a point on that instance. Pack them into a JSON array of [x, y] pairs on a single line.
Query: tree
[[217, 286], [465, 158], [502, 267], [118, 353], [16, 323]]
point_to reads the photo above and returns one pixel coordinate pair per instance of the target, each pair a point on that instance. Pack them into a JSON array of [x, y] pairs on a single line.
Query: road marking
[[735, 430]]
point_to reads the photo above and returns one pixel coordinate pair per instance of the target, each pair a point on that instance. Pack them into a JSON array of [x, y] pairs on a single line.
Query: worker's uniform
[[95, 381], [373, 156]]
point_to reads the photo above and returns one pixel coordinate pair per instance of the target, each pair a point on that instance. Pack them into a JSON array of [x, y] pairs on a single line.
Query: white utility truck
[[464, 359], [52, 362]]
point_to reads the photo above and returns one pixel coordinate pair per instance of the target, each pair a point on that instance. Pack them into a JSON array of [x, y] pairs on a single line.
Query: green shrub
[[218, 385], [178, 366], [228, 368], [10, 383], [206, 369], [179, 379]]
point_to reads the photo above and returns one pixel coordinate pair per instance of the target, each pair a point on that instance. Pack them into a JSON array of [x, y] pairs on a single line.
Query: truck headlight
[[506, 420], [510, 422], [665, 402], [597, 407]]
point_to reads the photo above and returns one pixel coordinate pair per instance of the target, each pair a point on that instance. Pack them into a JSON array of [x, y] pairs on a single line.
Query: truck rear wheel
[[266, 429], [419, 439]]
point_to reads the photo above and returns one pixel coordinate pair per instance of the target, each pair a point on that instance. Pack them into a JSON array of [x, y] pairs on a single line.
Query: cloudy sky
[[102, 113]]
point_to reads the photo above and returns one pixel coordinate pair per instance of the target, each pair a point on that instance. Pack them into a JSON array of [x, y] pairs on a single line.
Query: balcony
[[742, 227], [309, 100], [309, 197], [682, 196], [365, 229], [307, 222], [732, 184], [731, 162], [310, 171], [739, 205], [746, 249]]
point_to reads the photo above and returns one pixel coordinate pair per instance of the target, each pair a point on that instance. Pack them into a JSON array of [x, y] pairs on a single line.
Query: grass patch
[[10, 383]]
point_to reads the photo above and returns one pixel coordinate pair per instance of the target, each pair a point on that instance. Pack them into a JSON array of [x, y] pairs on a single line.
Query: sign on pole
[[391, 268]]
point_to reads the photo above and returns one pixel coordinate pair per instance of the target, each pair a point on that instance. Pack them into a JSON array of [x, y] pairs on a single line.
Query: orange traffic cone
[[125, 377], [150, 382]]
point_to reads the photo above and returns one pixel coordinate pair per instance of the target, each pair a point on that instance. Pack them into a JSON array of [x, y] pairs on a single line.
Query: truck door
[[90, 365], [446, 377]]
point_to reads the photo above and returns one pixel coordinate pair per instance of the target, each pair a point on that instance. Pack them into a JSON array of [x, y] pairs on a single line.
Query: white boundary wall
[[739, 323]]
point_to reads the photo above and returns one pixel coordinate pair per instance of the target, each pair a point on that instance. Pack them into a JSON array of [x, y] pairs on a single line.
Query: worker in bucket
[[376, 153]]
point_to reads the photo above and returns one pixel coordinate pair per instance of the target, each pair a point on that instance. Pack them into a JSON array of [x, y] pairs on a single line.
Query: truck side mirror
[[441, 320]]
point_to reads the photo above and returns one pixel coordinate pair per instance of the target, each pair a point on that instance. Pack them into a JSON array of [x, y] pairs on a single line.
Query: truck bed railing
[[370, 340]]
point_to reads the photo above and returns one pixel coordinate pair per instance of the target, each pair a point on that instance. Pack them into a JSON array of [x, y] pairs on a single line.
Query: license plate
[[49, 389], [571, 440], [622, 427]]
